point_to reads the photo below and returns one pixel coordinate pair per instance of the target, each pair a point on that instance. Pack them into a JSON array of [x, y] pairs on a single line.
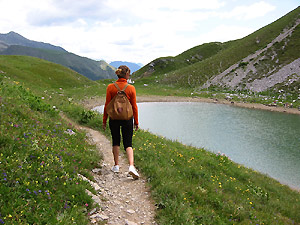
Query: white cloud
[[132, 30], [247, 12], [225, 33]]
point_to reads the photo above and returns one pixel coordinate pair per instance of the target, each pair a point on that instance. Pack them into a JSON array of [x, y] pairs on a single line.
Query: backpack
[[119, 108]]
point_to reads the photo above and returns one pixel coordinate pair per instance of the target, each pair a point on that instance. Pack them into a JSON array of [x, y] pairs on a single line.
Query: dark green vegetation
[[15, 44]]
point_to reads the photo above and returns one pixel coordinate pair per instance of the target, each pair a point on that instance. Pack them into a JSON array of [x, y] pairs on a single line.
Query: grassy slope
[[213, 190], [167, 64], [39, 161], [85, 66], [41, 73], [194, 186], [233, 52]]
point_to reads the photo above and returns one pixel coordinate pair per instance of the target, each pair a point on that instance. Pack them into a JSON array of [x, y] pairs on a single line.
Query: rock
[[93, 211], [93, 221], [95, 186], [83, 177], [100, 216], [96, 170], [127, 222], [131, 211]]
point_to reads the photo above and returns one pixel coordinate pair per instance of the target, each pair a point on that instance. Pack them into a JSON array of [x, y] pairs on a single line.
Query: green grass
[[164, 65], [189, 185], [39, 162], [194, 186], [90, 68]]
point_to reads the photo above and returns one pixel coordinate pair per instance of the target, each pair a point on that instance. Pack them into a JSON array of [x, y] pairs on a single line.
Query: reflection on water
[[265, 141]]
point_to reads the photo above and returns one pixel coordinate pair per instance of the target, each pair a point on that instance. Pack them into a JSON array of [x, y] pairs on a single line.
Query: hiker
[[127, 126]]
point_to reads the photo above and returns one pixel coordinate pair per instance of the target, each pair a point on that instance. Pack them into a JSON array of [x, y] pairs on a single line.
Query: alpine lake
[[268, 142]]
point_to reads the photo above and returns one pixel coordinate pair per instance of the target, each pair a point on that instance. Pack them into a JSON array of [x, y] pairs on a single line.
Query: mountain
[[266, 60], [41, 74], [14, 44], [132, 66], [13, 38]]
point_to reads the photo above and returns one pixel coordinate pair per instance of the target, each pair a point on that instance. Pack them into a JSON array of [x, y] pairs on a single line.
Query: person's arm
[[134, 107], [108, 99]]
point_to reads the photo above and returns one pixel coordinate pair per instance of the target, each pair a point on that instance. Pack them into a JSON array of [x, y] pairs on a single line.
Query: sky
[[137, 31]]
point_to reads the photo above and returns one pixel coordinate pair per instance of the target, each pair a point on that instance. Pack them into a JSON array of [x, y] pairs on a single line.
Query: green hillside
[[41, 156], [279, 47], [41, 73], [167, 64], [92, 69], [40, 159]]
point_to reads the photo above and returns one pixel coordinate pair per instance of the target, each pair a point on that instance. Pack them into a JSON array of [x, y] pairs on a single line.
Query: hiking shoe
[[116, 169], [133, 172]]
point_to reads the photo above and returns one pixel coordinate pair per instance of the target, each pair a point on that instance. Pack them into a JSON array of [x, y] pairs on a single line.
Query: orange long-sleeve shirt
[[130, 91]]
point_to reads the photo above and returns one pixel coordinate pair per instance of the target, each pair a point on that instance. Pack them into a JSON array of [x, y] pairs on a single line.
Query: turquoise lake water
[[266, 141]]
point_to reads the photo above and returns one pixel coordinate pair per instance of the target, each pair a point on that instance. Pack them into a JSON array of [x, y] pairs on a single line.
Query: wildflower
[[86, 204]]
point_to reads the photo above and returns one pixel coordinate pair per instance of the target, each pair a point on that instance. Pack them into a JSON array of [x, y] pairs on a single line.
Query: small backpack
[[119, 108]]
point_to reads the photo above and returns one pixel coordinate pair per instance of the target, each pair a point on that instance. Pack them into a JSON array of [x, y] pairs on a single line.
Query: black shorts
[[127, 132]]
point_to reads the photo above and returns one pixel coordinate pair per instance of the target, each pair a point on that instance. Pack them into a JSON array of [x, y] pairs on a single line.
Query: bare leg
[[129, 152], [116, 150]]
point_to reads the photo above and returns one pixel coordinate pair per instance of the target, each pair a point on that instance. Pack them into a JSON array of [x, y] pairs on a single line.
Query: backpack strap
[[117, 86]]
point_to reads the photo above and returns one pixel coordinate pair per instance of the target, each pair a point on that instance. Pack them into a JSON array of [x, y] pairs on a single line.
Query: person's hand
[[136, 127], [104, 126]]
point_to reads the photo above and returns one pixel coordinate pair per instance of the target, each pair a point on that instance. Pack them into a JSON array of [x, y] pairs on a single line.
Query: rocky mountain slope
[[266, 67], [267, 60]]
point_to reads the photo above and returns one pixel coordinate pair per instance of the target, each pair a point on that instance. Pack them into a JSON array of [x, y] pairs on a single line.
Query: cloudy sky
[[137, 30]]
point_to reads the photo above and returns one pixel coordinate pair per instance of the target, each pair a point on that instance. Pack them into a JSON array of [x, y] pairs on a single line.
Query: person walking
[[126, 126]]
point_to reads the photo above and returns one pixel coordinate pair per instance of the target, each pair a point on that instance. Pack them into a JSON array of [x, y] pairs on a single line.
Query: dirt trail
[[123, 200]]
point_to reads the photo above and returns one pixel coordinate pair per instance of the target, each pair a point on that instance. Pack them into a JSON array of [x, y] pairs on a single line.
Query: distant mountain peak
[[13, 38], [132, 66], [13, 43]]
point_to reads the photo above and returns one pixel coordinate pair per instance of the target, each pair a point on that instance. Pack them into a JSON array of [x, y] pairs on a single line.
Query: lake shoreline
[[94, 102], [155, 98]]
